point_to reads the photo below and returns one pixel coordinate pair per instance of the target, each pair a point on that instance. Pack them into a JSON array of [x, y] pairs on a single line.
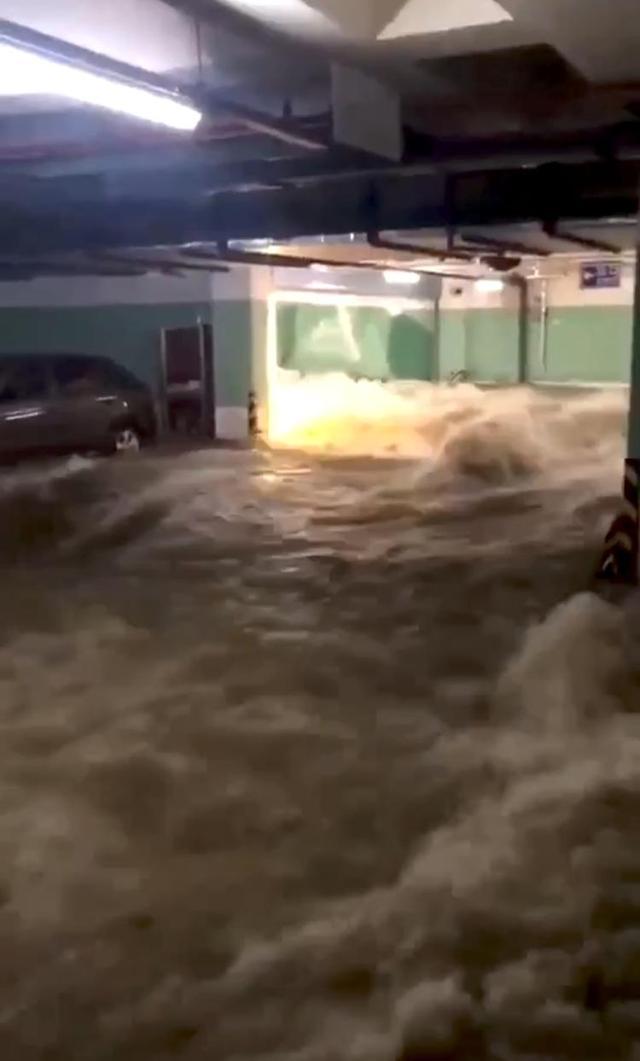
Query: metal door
[[188, 380]]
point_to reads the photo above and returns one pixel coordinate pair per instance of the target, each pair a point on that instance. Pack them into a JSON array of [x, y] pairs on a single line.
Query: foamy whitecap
[[493, 434], [323, 757]]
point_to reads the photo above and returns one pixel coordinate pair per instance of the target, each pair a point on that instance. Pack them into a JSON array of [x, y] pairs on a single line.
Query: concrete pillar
[[633, 434], [240, 344], [619, 562], [261, 286]]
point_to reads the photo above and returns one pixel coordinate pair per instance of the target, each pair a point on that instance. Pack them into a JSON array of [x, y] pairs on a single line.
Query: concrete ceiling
[[371, 19], [472, 85], [600, 37], [398, 40]]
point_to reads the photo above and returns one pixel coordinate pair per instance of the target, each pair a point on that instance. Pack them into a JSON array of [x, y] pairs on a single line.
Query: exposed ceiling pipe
[[499, 262], [457, 156], [293, 261], [287, 132], [160, 264], [103, 265], [117, 141], [87, 217], [503, 245], [374, 239], [551, 229], [32, 269]]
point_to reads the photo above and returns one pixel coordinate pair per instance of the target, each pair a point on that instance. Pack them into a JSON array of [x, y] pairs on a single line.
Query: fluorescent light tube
[[24, 72], [400, 277], [488, 286]]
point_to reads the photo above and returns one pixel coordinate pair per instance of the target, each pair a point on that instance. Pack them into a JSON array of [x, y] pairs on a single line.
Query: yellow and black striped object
[[252, 410], [619, 561]]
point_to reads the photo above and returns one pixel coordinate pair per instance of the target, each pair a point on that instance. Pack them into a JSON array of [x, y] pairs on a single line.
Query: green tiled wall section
[[363, 341], [588, 344], [131, 334], [583, 344]]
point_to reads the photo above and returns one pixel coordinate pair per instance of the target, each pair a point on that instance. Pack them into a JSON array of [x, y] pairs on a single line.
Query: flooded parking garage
[[318, 736], [323, 751]]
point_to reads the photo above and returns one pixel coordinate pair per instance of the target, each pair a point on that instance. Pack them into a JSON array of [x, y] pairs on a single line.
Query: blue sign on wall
[[600, 274]]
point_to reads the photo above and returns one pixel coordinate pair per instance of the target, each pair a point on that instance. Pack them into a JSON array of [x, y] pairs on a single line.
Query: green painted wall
[[452, 343], [590, 344], [234, 337], [131, 335], [492, 345], [586, 343], [364, 341], [482, 342]]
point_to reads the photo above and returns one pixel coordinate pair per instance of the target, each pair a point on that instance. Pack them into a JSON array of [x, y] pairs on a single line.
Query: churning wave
[[324, 752]]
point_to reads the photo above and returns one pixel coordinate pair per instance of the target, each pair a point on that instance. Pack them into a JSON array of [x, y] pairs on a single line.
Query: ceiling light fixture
[[487, 286], [401, 277], [25, 72]]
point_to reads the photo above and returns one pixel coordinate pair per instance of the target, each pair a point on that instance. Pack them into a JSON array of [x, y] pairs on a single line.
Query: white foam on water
[[316, 756], [518, 429]]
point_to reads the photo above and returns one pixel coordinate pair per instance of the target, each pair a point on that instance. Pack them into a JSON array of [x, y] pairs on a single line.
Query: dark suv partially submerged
[[71, 403]]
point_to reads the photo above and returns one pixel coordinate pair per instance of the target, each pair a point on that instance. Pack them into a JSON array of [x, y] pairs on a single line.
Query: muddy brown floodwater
[[325, 753]]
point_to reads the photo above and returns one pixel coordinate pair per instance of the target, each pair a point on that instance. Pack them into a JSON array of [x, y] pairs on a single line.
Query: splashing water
[[515, 428], [318, 756]]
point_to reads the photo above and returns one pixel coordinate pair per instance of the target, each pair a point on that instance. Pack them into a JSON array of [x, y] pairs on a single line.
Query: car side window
[[77, 376], [118, 378], [24, 380]]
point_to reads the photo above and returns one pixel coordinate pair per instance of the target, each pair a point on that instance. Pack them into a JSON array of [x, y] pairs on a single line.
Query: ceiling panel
[[422, 17], [600, 37]]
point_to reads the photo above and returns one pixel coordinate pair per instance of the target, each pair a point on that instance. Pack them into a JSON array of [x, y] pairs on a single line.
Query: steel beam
[[151, 264], [90, 220], [507, 246], [229, 164], [224, 253], [374, 239], [551, 229]]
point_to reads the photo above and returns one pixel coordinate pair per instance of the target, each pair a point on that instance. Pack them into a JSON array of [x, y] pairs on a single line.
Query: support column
[[619, 562], [240, 346], [261, 286], [522, 286]]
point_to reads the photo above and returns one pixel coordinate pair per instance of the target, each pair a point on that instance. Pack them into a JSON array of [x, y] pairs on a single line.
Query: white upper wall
[[106, 291], [255, 284], [464, 295], [563, 282], [564, 288], [239, 284]]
